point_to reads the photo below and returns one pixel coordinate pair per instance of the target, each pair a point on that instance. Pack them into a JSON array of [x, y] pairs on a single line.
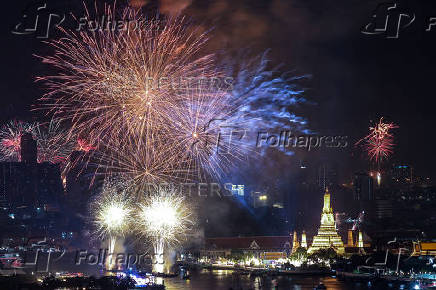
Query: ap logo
[[388, 20]]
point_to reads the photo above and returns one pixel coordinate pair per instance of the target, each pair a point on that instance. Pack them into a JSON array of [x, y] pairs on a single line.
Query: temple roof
[[257, 242]]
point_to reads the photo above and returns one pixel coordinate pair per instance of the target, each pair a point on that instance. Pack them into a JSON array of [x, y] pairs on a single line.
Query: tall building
[[402, 174], [35, 185], [327, 236], [81, 182], [28, 148], [363, 187], [28, 183], [260, 199]]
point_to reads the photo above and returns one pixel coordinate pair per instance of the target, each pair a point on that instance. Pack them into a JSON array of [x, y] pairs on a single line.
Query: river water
[[226, 279]]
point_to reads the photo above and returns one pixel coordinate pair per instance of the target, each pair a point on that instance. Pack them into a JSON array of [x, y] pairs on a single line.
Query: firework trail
[[53, 142], [265, 99], [379, 143], [139, 162]]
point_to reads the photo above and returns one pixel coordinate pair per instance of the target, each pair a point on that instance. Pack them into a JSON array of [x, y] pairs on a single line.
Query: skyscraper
[[28, 149], [363, 187]]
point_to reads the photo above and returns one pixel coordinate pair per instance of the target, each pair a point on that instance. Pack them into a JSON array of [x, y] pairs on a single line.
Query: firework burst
[[379, 143], [54, 143], [112, 212], [165, 220], [112, 209], [165, 216], [10, 138], [118, 81], [145, 96]]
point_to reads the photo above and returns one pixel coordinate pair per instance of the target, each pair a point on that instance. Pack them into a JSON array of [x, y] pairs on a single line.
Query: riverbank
[[260, 271]]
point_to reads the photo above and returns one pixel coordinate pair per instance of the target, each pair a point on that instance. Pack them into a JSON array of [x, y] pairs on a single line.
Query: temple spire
[[327, 207], [303, 240], [327, 236], [295, 243]]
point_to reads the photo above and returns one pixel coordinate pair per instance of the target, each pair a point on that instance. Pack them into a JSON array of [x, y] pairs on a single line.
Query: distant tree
[[323, 256], [299, 254]]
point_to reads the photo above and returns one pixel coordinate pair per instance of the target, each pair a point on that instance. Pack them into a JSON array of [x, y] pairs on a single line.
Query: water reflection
[[226, 279]]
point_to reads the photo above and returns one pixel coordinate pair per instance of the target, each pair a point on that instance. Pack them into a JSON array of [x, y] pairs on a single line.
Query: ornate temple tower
[[295, 243], [303, 240], [327, 236], [360, 242], [350, 242]]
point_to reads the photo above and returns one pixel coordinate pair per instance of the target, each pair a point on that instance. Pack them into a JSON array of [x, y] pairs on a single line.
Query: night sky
[[355, 77]]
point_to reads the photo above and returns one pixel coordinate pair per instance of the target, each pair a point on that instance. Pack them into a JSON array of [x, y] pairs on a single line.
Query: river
[[225, 279]]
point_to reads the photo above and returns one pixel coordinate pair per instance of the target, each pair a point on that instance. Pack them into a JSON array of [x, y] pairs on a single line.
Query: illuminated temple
[[327, 236]]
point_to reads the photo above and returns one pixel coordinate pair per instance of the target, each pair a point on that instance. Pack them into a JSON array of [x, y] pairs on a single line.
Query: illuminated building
[[424, 249], [350, 242], [358, 246], [238, 189], [265, 248], [303, 240], [295, 243], [360, 241], [402, 174], [30, 194], [327, 236], [260, 199], [28, 183]]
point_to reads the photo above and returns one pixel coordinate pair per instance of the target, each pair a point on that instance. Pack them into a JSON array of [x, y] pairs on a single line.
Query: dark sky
[[355, 77]]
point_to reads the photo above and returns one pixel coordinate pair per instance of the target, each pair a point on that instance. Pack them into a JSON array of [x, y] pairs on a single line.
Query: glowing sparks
[[165, 215], [379, 143], [154, 88], [165, 219], [112, 209], [83, 145], [118, 81], [378, 178], [53, 142]]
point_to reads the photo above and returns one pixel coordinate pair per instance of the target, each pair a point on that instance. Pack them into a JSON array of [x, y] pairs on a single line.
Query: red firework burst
[[83, 145], [379, 143]]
